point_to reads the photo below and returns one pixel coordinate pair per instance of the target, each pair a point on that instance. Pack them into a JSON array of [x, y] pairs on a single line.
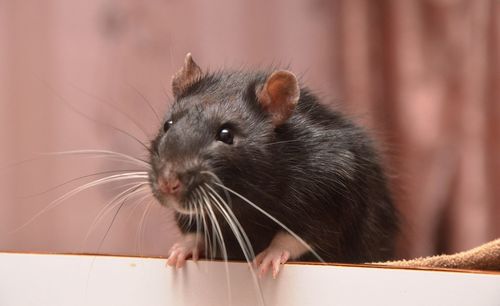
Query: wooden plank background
[[423, 76]]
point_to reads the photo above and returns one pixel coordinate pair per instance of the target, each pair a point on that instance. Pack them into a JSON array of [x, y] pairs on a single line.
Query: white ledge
[[38, 279]]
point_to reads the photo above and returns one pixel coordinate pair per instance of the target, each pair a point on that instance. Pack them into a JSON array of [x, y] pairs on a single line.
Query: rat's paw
[[272, 257], [190, 246]]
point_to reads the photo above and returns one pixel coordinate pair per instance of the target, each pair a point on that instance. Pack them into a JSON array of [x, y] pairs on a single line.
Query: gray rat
[[256, 168]]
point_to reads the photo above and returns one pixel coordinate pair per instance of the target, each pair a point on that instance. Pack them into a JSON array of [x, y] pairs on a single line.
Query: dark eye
[[225, 135], [167, 125]]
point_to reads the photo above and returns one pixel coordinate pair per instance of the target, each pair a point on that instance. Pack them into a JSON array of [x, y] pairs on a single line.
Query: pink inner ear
[[279, 95]]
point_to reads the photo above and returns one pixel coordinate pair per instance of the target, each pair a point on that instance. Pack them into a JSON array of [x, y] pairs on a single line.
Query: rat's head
[[216, 133]]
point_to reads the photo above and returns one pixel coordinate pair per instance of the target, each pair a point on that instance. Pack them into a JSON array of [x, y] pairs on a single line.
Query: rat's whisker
[[228, 197], [223, 245], [153, 110], [111, 179], [61, 199], [137, 187], [216, 227], [111, 224], [102, 152], [126, 185], [142, 228], [281, 142], [305, 244], [191, 211], [88, 117], [113, 107], [138, 204], [217, 180], [233, 222], [240, 236], [90, 153], [206, 236], [77, 179], [197, 215], [102, 241], [121, 202], [210, 242]]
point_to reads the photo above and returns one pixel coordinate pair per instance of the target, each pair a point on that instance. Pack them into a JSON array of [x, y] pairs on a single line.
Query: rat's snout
[[178, 181], [169, 184]]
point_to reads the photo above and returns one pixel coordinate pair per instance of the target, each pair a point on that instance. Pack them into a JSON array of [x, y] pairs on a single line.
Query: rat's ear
[[279, 95], [185, 77]]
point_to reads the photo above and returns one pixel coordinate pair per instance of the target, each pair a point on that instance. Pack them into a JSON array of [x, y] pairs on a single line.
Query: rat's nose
[[170, 185]]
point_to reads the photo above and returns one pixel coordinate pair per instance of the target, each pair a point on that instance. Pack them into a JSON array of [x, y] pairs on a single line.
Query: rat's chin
[[178, 205]]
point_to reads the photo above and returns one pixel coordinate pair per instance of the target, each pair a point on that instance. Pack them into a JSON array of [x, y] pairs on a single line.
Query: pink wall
[[424, 77]]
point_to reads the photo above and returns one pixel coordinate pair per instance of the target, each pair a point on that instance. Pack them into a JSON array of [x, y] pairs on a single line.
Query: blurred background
[[423, 76]]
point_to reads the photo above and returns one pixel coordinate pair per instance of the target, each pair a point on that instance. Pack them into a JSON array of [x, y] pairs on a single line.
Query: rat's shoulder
[[325, 127], [311, 110]]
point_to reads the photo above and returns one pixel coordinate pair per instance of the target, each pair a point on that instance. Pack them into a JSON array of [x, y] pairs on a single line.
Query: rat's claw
[[181, 259], [180, 251], [178, 256], [271, 258], [172, 259], [258, 259], [276, 262]]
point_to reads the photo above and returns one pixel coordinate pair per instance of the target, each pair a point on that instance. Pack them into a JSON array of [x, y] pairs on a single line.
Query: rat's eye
[[167, 125], [225, 135]]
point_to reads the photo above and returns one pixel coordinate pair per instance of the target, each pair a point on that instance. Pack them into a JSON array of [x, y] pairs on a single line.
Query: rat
[[256, 168]]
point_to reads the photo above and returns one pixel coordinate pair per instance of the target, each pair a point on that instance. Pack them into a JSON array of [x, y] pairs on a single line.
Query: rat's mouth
[[192, 193], [192, 200], [183, 207]]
